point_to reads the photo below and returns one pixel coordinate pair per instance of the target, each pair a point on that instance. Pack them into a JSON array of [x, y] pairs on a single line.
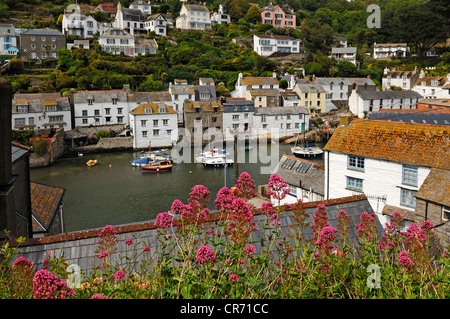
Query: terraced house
[[393, 164], [275, 16]]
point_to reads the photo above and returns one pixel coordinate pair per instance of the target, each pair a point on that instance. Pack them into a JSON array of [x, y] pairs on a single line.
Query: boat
[[217, 162], [306, 150], [215, 153], [157, 166], [91, 163], [147, 158]]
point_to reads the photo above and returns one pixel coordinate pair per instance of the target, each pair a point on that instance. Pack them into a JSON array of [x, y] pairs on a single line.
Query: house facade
[[156, 23], [144, 7], [254, 83], [8, 39], [220, 17], [40, 111], [387, 161], [346, 53], [202, 117], [117, 40], [361, 102], [265, 45], [439, 105], [237, 117], [41, 44], [80, 25], [286, 121], [275, 16], [312, 96], [264, 97], [405, 80], [153, 124], [289, 98], [194, 17], [130, 20], [433, 87], [386, 51]]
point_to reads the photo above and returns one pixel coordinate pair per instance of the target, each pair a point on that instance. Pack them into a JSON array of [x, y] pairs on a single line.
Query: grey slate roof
[[51, 32], [335, 50], [17, 153], [79, 248], [238, 106], [205, 89], [37, 105], [104, 96], [378, 95], [410, 117], [302, 173], [281, 110]]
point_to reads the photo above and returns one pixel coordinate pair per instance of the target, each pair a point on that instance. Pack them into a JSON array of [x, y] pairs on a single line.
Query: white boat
[[215, 153], [306, 150], [217, 162]]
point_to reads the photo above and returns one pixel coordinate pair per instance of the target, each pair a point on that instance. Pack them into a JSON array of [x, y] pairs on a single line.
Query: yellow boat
[[91, 163]]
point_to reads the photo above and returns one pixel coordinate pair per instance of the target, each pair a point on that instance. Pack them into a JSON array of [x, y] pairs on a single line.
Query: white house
[[102, 107], [194, 17], [289, 98], [386, 161], [265, 45], [287, 121], [220, 17], [346, 53], [237, 117], [40, 110], [8, 39], [131, 20], [80, 25], [117, 40], [155, 124], [80, 44], [433, 87], [387, 50], [254, 83], [145, 7], [304, 178], [405, 80], [361, 102], [156, 23], [339, 89]]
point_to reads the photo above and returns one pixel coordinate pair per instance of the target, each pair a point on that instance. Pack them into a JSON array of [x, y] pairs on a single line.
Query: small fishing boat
[[215, 153], [217, 162], [306, 150], [153, 157], [91, 163], [157, 166]]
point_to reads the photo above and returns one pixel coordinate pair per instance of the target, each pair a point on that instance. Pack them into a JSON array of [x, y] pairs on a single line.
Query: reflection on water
[[113, 192]]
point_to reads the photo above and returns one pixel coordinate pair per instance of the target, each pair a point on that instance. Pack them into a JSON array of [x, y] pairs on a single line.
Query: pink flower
[[444, 255], [267, 208], [103, 255], [119, 275], [200, 194], [100, 296], [367, 228], [128, 241], [23, 263], [240, 221], [177, 207], [163, 220], [205, 255], [249, 250], [108, 238], [234, 277], [427, 225], [327, 235], [48, 286], [405, 260], [320, 220], [245, 186], [224, 199], [278, 188], [146, 249], [414, 233]]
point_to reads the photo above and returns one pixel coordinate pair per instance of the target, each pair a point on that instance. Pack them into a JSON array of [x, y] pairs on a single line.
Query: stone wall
[[55, 150]]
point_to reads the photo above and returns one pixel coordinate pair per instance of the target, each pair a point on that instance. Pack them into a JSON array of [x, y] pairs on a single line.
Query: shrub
[[102, 134]]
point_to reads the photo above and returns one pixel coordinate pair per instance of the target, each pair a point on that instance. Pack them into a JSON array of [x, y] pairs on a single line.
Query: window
[[214, 119], [354, 183], [119, 110], [90, 101], [143, 122], [19, 121], [407, 197], [107, 111], [114, 100], [108, 119], [96, 112], [155, 132], [409, 175], [85, 121], [58, 118], [263, 118], [120, 119], [235, 117], [144, 133], [22, 108], [155, 123], [165, 122], [355, 162], [31, 120], [84, 113], [446, 213]]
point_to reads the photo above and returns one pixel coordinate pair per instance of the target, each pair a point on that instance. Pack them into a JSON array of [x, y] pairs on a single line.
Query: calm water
[[113, 192]]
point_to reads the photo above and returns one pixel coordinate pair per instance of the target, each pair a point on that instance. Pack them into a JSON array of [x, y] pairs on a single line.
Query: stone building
[[203, 117]]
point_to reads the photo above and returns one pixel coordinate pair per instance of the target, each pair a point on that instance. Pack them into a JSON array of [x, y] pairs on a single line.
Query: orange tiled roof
[[141, 109], [45, 201], [417, 144], [259, 81]]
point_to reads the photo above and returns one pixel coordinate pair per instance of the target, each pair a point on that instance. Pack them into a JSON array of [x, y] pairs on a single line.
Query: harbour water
[[115, 193]]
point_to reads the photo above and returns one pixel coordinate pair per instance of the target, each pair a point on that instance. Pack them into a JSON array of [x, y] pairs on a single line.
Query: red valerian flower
[[205, 255]]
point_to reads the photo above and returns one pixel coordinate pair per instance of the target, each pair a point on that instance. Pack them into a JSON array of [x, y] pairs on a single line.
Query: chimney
[[7, 204]]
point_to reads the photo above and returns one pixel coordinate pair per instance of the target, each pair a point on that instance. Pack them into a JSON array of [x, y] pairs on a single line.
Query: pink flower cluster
[[245, 186], [320, 220], [234, 277], [48, 286], [249, 250], [200, 194], [405, 260], [278, 188], [367, 228], [100, 296], [22, 262], [108, 238], [163, 220], [224, 200], [205, 255], [119, 275], [240, 221], [326, 237]]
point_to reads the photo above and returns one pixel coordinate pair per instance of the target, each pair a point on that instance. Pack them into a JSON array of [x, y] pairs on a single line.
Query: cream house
[[194, 17]]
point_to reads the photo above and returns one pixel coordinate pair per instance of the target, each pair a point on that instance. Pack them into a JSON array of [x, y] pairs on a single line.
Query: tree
[[253, 14], [346, 69]]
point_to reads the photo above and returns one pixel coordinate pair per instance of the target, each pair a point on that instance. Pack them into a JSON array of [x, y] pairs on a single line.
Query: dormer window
[[114, 100], [148, 111], [51, 108], [162, 110], [90, 101], [434, 83], [204, 96]]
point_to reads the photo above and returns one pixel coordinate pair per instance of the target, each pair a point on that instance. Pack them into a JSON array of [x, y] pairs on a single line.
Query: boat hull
[[307, 152], [156, 168], [91, 163]]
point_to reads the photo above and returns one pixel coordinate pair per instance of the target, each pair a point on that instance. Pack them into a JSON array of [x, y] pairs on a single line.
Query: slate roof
[[50, 32], [345, 81], [264, 92], [101, 96], [238, 106], [281, 110], [302, 173], [196, 7], [205, 89], [18, 151], [378, 95], [335, 50], [79, 247], [416, 144], [412, 117], [152, 96], [436, 187], [38, 105], [145, 43], [310, 88], [45, 201], [399, 74], [205, 106]]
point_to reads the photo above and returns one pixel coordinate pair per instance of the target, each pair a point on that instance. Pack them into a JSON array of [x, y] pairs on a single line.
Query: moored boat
[[157, 166], [306, 151], [217, 162], [91, 163], [213, 154]]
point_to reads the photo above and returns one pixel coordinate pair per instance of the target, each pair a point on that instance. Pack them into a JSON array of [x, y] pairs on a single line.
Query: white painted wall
[[163, 139], [380, 178]]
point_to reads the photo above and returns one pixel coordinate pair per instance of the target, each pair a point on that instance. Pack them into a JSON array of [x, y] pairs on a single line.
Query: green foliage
[[40, 146], [102, 134]]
